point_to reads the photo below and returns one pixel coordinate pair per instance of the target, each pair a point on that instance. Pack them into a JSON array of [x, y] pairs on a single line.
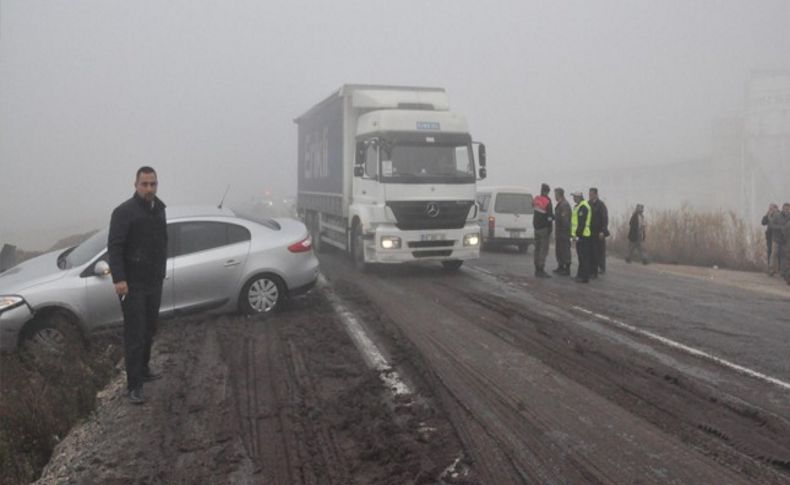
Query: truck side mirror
[[360, 155], [359, 171], [482, 172], [481, 155]]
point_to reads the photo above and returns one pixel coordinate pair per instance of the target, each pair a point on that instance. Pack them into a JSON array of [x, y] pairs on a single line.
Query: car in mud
[[219, 261]]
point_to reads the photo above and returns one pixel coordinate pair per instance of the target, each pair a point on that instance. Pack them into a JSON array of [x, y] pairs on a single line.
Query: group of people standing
[[586, 224], [777, 238]]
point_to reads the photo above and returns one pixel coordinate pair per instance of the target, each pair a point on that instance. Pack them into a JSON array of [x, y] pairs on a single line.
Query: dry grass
[[42, 397], [692, 237]]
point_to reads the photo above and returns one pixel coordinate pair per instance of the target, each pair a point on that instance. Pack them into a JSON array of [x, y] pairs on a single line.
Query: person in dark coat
[[636, 234], [786, 245], [562, 233], [542, 222], [600, 230], [137, 248], [766, 221], [776, 224]]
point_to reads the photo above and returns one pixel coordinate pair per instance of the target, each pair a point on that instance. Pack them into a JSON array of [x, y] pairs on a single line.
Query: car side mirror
[[359, 170], [101, 268], [482, 173]]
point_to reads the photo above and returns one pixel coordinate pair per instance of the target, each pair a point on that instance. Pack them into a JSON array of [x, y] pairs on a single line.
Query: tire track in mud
[[567, 444], [693, 410]]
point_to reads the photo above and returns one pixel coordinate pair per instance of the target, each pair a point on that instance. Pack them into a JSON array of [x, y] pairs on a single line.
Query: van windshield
[[514, 204]]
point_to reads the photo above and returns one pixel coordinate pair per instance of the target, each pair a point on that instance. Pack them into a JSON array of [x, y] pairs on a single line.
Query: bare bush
[[689, 236]]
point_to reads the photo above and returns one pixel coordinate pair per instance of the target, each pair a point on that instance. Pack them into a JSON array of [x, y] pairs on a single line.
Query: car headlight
[[472, 239], [390, 242], [10, 301]]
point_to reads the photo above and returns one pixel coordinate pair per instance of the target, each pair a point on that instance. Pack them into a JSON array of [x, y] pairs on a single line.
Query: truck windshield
[[410, 161]]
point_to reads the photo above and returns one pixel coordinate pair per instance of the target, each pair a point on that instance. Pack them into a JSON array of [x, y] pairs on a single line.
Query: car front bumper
[[11, 323]]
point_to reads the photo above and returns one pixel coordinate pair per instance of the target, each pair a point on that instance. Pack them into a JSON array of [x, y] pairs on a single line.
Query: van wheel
[[358, 250], [262, 294], [523, 248], [452, 265]]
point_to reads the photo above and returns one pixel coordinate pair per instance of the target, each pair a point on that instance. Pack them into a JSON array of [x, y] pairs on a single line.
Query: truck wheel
[[358, 250], [263, 293], [452, 265]]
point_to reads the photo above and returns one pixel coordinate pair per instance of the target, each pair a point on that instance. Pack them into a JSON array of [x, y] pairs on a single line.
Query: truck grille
[[444, 214]]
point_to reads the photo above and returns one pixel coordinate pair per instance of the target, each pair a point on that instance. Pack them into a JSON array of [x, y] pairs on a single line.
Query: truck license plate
[[432, 237]]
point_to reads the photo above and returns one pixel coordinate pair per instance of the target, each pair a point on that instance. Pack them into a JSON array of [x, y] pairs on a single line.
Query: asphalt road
[[642, 376]]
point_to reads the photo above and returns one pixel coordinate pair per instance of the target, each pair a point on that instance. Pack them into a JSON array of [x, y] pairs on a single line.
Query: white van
[[506, 217]]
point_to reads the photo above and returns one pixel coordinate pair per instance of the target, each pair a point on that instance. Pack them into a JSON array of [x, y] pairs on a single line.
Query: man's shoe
[[594, 276], [628, 260], [149, 375], [542, 274], [136, 396], [581, 280], [558, 270]]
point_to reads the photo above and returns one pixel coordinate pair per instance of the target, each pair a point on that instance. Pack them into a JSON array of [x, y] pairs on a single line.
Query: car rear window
[[513, 204]]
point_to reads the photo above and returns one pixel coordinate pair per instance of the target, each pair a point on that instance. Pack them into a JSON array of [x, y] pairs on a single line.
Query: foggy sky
[[206, 91]]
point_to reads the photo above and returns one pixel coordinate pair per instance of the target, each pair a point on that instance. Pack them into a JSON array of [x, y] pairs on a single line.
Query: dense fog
[[573, 93]]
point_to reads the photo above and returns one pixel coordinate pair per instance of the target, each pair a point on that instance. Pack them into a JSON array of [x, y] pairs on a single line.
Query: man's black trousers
[[140, 316], [598, 255], [584, 249]]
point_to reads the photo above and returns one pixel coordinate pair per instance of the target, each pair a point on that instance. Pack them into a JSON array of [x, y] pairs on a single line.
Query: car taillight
[[491, 225], [302, 246]]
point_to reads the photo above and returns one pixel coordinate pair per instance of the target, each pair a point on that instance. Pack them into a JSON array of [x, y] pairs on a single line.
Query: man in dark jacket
[[776, 224], [772, 209], [786, 245], [542, 221], [637, 234], [137, 247], [600, 230], [562, 233]]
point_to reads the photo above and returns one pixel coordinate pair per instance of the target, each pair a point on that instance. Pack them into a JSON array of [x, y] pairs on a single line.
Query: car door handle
[[231, 262]]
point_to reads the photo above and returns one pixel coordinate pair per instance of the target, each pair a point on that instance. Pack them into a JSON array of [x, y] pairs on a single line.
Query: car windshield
[[86, 250], [514, 204], [430, 160]]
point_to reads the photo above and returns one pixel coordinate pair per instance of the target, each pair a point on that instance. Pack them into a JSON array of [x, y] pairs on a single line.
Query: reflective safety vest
[[575, 219]]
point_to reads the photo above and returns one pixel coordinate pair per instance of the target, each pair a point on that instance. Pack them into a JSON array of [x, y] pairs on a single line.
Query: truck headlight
[[390, 242], [472, 239], [9, 301]]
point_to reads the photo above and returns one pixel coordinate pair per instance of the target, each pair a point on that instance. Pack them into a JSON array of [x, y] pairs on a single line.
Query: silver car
[[218, 261]]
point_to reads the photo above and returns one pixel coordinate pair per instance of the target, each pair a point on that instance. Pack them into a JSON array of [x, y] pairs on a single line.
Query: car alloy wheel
[[261, 294]]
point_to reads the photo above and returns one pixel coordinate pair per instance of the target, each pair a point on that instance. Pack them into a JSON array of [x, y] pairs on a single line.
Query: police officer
[[581, 219], [137, 247]]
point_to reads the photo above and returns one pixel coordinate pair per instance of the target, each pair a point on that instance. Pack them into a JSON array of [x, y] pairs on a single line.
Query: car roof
[[180, 212]]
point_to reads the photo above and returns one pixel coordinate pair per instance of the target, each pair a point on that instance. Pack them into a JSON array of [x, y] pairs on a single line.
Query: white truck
[[387, 173]]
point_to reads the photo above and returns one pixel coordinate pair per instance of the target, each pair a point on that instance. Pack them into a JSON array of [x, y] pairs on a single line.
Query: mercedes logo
[[432, 209]]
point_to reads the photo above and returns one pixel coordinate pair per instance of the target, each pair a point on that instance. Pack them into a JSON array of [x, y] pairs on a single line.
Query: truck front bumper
[[422, 245]]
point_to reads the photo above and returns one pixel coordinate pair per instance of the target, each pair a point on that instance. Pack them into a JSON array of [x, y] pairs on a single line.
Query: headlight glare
[[472, 239], [10, 301], [390, 242]]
